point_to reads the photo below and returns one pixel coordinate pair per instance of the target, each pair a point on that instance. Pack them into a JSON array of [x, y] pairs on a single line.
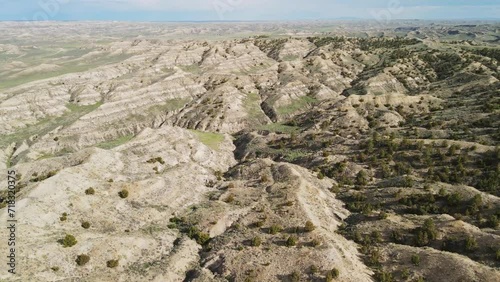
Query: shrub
[[86, 224], [376, 236], [315, 242], [90, 191], [493, 221], [382, 215], [332, 274], [497, 254], [295, 276], [470, 244], [259, 223], [229, 199], [291, 241], [314, 269], [68, 241], [112, 263], [123, 193], [256, 241], [82, 259], [274, 229], [362, 178], [55, 268], [383, 276], [415, 259], [309, 226]]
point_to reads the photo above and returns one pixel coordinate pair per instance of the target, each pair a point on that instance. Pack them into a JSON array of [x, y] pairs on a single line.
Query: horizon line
[[257, 21]]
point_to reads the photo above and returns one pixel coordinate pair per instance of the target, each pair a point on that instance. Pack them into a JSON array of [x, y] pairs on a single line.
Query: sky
[[246, 10]]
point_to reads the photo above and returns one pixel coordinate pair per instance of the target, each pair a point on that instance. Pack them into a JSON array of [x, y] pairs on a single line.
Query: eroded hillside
[[312, 157]]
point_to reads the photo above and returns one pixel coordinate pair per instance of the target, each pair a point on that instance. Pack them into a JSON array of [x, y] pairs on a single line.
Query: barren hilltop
[[293, 151]]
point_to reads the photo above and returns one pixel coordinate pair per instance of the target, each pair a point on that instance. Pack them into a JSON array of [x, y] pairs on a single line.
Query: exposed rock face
[[132, 230], [268, 194]]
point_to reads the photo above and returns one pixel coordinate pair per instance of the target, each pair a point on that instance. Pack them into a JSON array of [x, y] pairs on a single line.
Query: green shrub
[[382, 215], [274, 229], [295, 276], [256, 241], [493, 221], [309, 226], [112, 263], [68, 241], [331, 275], [90, 191], [55, 268], [123, 193], [315, 242], [405, 273], [313, 269], [334, 273], [415, 259], [383, 276], [362, 178], [82, 259], [229, 199], [86, 224], [470, 244], [291, 241]]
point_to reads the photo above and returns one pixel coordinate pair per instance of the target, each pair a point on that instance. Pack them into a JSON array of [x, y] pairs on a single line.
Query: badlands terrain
[[300, 151]]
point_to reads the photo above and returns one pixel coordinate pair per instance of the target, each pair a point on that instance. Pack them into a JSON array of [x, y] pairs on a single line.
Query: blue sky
[[241, 10]]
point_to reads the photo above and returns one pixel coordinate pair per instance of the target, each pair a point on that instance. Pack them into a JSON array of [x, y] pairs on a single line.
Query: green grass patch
[[115, 143], [290, 58], [212, 140], [297, 105], [278, 127], [194, 68], [251, 103], [66, 67], [47, 124], [169, 105]]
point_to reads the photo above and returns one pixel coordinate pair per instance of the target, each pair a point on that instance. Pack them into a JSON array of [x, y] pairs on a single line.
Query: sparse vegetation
[[309, 226], [89, 191], [291, 241], [68, 241], [112, 263], [82, 259], [123, 193], [256, 241]]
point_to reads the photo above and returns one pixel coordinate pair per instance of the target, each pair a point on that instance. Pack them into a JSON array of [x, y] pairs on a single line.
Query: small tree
[[86, 224], [82, 259]]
